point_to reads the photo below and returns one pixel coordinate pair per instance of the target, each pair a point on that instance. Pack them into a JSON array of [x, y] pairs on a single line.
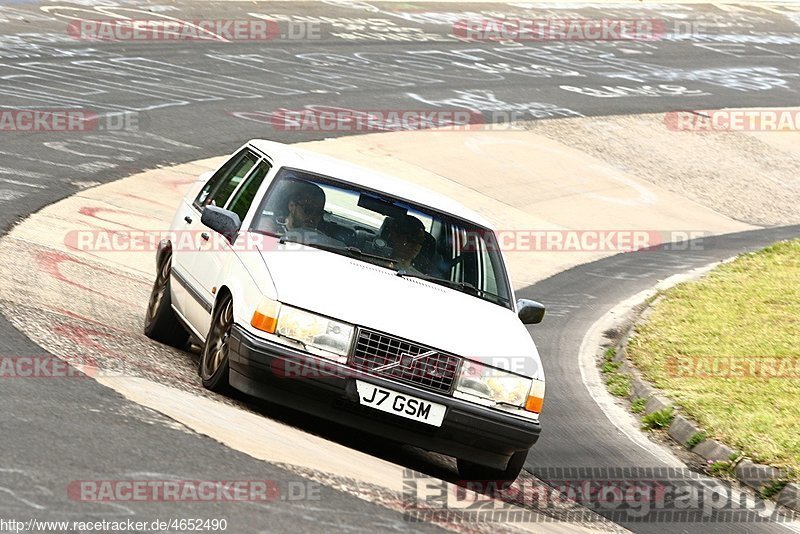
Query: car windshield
[[413, 240]]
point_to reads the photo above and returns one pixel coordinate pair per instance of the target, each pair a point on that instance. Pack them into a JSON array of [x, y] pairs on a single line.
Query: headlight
[[493, 384], [315, 332]]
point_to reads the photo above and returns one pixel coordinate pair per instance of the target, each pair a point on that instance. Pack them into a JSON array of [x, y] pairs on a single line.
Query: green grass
[[703, 341], [638, 404], [722, 468], [695, 440], [658, 419], [773, 488], [618, 384]]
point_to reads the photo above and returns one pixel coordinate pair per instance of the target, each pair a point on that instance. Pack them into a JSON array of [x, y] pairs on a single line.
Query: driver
[[306, 206], [305, 209]]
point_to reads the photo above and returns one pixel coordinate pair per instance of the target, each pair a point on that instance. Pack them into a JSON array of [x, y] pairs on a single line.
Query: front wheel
[[160, 322], [504, 477], [214, 362]]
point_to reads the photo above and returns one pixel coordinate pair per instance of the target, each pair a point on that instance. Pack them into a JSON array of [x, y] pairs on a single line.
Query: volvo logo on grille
[[406, 361]]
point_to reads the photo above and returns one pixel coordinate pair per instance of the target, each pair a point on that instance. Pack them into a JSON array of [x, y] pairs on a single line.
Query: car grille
[[374, 350]]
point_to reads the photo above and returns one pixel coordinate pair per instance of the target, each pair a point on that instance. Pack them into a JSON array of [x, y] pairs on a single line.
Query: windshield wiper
[[330, 248], [333, 248], [461, 286], [358, 252]]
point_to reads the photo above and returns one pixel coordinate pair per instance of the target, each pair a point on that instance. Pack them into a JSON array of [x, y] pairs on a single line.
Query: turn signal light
[[535, 397], [534, 404], [265, 317]]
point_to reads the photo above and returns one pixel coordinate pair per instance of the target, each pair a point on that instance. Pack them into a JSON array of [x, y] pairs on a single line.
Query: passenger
[[406, 237]]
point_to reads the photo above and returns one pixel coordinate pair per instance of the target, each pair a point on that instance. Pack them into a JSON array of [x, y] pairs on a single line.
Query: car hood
[[367, 295]]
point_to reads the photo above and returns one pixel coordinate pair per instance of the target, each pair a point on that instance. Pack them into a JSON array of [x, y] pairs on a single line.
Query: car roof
[[290, 156]]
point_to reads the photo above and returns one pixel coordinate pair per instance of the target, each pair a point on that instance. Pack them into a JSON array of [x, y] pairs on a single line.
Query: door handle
[[205, 236], [188, 219]]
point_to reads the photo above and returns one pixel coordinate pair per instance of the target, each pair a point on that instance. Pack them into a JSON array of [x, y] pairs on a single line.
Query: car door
[[216, 192], [214, 250]]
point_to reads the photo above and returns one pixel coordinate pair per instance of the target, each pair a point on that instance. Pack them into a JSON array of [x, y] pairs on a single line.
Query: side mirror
[[221, 221], [530, 311]]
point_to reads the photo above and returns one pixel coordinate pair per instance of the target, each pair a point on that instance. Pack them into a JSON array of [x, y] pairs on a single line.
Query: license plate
[[400, 404]]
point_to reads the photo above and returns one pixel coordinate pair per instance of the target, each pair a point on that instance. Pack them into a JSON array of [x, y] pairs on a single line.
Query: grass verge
[[619, 384], [726, 349]]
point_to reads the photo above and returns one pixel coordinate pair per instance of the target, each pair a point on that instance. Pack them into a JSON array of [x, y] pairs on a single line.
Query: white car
[[355, 296]]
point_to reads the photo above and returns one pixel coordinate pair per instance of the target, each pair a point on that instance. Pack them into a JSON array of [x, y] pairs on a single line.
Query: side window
[[224, 182], [243, 198]]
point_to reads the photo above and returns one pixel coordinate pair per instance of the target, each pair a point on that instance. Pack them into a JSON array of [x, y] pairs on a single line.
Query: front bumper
[[469, 431]]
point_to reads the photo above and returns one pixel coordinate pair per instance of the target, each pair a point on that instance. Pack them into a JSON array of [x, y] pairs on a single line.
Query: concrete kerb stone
[[657, 403], [789, 496], [641, 389], [714, 451], [683, 430], [755, 475]]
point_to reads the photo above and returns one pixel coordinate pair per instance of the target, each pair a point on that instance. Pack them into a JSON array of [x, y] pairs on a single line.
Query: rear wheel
[[160, 323], [502, 477], [214, 362]]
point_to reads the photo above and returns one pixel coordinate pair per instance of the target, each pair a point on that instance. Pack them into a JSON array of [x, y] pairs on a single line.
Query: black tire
[[214, 367], [160, 322], [503, 478]]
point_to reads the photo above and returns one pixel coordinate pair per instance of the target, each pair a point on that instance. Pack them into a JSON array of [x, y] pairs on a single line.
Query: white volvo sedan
[[355, 296]]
